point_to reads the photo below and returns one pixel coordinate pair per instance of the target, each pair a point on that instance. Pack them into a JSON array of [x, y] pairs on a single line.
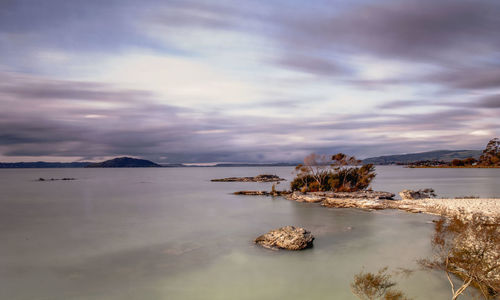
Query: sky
[[246, 81]]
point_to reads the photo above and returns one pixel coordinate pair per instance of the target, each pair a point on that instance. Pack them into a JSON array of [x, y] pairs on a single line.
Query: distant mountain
[[128, 162], [255, 165], [124, 162], [43, 164], [441, 155]]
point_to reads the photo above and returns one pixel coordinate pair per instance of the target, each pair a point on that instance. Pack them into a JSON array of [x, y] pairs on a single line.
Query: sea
[[171, 233]]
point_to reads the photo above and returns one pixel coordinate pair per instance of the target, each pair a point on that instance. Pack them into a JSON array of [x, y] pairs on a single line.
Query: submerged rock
[[258, 178], [416, 195], [54, 179], [288, 237]]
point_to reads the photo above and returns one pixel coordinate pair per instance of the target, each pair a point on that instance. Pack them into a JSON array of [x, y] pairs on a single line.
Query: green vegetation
[[336, 173]]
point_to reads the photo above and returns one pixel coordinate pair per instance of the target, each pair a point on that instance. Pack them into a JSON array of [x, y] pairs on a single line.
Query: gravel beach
[[484, 206]]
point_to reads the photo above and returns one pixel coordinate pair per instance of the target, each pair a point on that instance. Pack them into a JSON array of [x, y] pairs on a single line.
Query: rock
[[262, 193], [368, 195], [313, 197], [359, 199], [252, 193], [258, 178], [305, 197], [288, 237], [416, 195], [55, 179]]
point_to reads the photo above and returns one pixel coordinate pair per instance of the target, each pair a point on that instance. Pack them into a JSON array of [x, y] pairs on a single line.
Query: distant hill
[[441, 155], [43, 164], [124, 162], [256, 164]]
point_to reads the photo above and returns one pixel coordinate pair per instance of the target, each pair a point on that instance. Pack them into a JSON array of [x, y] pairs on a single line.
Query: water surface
[[170, 233]]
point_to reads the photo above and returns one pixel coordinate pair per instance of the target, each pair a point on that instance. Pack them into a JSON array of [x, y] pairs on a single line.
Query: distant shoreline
[[450, 167]]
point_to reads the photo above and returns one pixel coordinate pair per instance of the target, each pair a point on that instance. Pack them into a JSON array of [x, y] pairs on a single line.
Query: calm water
[[172, 234]]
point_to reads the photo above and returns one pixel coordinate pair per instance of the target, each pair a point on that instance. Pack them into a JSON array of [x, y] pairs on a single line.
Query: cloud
[[475, 78], [415, 30], [198, 81], [315, 65], [492, 101], [134, 122]]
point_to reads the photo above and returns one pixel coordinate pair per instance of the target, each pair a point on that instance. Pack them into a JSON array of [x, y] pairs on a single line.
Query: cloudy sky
[[246, 81]]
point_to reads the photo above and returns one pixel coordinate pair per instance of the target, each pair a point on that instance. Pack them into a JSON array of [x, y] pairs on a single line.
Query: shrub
[[335, 174], [371, 286], [457, 163], [469, 249]]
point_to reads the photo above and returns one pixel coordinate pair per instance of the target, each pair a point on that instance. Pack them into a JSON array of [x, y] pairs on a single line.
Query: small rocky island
[[258, 178], [288, 238], [338, 182]]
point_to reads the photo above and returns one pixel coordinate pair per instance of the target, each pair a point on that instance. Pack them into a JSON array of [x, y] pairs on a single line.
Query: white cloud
[[177, 80]]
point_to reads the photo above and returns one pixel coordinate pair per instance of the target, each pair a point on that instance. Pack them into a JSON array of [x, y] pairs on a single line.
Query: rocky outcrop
[[359, 199], [416, 195], [262, 193], [258, 178], [314, 197], [306, 197], [355, 203], [367, 194], [288, 237]]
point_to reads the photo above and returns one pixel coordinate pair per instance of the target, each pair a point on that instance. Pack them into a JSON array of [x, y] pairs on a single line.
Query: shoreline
[[449, 167], [447, 207]]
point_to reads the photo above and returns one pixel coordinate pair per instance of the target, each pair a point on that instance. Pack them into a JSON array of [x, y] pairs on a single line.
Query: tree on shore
[[313, 173], [469, 249], [491, 154], [463, 163], [337, 173]]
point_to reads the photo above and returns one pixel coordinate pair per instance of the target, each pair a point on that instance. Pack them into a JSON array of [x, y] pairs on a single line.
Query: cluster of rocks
[[258, 178], [296, 238], [288, 237], [416, 195]]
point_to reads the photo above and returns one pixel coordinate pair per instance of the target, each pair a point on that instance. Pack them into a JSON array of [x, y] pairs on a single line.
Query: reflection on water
[[172, 234]]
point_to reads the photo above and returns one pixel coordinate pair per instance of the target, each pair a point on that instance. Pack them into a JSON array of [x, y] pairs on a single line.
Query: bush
[[470, 249], [338, 176], [372, 286]]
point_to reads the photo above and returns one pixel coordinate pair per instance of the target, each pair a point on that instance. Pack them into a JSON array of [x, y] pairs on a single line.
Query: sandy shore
[[484, 206], [446, 207]]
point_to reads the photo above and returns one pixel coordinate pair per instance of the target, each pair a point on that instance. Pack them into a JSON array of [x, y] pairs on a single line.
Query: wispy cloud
[[198, 81]]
